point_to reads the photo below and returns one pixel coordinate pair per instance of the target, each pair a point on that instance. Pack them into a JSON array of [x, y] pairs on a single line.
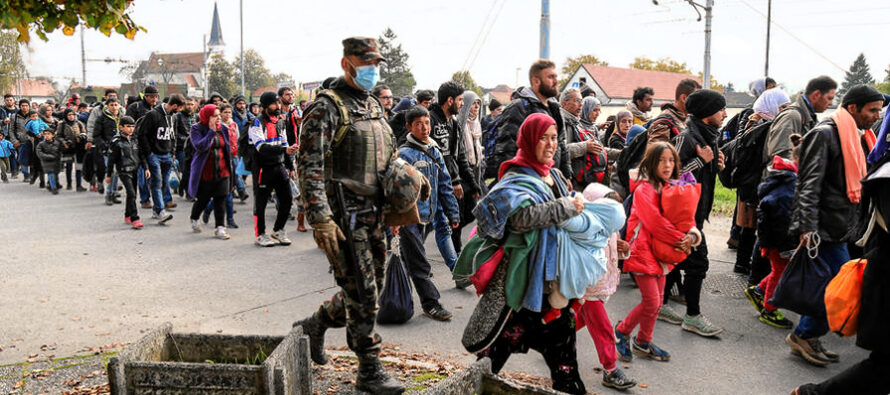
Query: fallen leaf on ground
[[644, 385]]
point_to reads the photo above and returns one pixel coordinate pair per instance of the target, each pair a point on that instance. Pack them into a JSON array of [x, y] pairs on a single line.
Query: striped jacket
[[268, 136]]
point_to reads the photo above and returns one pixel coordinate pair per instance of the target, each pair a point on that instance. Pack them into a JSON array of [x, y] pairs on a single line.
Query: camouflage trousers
[[355, 305]]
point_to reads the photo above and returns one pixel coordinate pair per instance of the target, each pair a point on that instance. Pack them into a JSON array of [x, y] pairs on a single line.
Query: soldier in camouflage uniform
[[346, 140]]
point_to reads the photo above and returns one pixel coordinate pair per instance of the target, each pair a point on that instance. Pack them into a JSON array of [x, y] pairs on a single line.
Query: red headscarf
[[206, 113], [527, 140]]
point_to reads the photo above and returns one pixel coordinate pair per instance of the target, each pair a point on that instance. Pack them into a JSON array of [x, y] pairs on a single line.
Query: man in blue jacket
[[423, 153]]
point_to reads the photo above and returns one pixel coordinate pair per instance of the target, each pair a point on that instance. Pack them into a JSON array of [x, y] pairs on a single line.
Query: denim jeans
[[144, 190], [24, 153], [53, 182], [112, 187], [443, 239], [835, 255], [160, 166]]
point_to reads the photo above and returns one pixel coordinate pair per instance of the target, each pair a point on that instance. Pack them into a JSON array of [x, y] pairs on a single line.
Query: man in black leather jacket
[[825, 203]]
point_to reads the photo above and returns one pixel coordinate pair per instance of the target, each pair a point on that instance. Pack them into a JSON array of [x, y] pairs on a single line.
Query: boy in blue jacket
[[423, 153], [6, 150]]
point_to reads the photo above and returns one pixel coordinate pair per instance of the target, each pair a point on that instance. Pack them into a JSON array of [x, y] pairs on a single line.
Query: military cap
[[403, 186], [363, 47]]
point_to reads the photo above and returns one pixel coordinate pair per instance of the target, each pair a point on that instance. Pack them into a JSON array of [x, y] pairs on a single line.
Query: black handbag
[[802, 286]]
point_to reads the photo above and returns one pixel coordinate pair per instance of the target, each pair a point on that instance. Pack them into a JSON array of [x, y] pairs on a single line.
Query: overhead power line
[[794, 36]]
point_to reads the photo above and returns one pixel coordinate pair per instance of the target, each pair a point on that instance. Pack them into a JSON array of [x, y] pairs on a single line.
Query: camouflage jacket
[[320, 122]]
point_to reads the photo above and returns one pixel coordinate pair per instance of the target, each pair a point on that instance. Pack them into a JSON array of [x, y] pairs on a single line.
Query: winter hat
[[127, 120], [150, 90], [68, 111], [861, 94], [206, 113], [704, 103], [493, 105], [238, 98], [268, 98]]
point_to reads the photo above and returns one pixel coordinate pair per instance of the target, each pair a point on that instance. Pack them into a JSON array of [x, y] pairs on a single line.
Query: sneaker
[[755, 297], [667, 314], [80, 189], [242, 195], [93, 188], [109, 200], [116, 200], [231, 223], [651, 351], [701, 326], [69, 187], [622, 345], [264, 240], [804, 349], [829, 355], [100, 188], [280, 236], [776, 319], [617, 380], [196, 226], [146, 205], [162, 217], [128, 221], [54, 191], [206, 216], [220, 233], [137, 224], [437, 313]]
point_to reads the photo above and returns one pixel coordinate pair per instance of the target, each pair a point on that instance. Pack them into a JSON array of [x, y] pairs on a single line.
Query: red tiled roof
[[30, 88], [620, 83], [262, 90], [176, 62], [191, 80]]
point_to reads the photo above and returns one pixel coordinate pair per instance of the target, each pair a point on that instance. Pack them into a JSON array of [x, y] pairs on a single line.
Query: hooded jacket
[[50, 154], [776, 194], [778, 141], [820, 198], [698, 134], [507, 128], [138, 109], [155, 133], [448, 135], [17, 130]]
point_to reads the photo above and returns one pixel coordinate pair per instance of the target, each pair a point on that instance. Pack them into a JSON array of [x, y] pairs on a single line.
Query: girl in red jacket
[[645, 224]]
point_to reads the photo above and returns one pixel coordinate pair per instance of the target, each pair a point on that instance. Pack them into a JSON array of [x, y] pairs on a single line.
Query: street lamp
[[708, 7]]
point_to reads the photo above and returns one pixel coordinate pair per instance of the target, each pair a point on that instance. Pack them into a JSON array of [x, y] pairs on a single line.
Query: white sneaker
[[264, 240], [196, 226], [162, 217], [281, 237], [220, 233]]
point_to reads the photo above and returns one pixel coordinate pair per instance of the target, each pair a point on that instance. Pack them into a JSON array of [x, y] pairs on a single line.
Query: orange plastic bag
[[843, 298], [678, 205]]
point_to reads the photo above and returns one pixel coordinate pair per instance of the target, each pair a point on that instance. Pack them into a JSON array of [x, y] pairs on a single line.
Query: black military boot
[[372, 378], [315, 330]]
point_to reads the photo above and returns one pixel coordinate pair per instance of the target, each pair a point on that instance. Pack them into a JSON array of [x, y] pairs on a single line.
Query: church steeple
[[216, 42]]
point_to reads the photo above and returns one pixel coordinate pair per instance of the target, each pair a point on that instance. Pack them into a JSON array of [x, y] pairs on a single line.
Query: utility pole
[[769, 17], [545, 29], [83, 59], [709, 5], [241, 3]]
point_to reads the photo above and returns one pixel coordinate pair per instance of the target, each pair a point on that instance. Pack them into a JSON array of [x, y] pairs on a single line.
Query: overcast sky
[[302, 38]]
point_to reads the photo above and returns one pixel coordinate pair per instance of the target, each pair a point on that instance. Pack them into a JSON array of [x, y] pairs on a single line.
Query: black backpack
[[743, 156], [490, 166], [246, 150], [633, 153]]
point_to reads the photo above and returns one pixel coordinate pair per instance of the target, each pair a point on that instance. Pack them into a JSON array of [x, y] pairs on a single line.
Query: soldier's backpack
[[743, 156]]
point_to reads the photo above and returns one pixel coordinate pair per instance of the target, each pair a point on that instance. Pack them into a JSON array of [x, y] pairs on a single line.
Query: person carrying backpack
[[766, 108]]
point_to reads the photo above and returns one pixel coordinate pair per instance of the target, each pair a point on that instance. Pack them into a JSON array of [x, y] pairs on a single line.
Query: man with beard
[[640, 105], [536, 98], [240, 114], [21, 138], [182, 125], [446, 131], [149, 100], [157, 143], [697, 147]]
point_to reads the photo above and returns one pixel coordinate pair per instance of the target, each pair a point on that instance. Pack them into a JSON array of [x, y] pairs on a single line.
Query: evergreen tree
[[858, 74], [395, 72]]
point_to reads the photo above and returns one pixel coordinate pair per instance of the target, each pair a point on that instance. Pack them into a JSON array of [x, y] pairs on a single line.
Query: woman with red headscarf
[[211, 175], [518, 219]]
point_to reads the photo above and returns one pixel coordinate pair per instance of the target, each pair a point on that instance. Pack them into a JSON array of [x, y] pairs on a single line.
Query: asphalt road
[[73, 275]]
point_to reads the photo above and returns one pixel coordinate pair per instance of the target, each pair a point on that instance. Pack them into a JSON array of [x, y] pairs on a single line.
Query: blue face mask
[[367, 76]]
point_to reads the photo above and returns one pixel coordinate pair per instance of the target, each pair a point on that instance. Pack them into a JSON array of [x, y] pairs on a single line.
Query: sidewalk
[[75, 276]]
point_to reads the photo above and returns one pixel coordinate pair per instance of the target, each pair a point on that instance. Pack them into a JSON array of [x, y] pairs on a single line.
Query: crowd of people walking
[[560, 204]]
